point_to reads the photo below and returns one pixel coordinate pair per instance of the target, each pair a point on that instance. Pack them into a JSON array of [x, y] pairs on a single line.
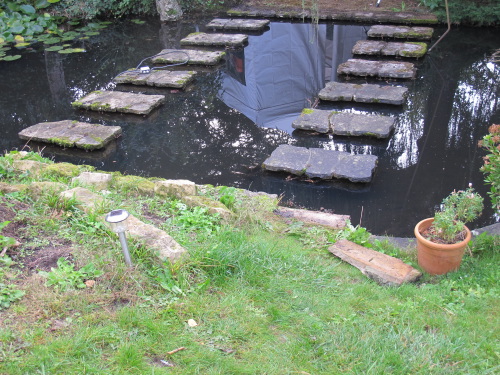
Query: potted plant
[[441, 240]]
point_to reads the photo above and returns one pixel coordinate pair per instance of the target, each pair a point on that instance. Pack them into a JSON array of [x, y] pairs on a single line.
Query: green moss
[[416, 53], [61, 170], [98, 106], [307, 111], [62, 141], [134, 184], [77, 104]]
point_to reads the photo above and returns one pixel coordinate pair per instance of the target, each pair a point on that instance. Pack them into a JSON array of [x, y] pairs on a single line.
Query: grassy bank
[[258, 294]]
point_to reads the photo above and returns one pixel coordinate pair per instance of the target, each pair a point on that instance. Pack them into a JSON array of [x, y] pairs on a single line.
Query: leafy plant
[[9, 294], [491, 167], [228, 196], [65, 276], [4, 240], [196, 218]]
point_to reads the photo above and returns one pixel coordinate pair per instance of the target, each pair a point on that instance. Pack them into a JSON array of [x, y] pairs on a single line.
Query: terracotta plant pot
[[438, 259]]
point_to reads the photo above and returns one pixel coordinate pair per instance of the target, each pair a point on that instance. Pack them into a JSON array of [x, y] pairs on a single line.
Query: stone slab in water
[[237, 24], [158, 78], [215, 40], [320, 163], [382, 268], [190, 56], [116, 101], [363, 93], [381, 69], [313, 119], [376, 47], [69, 133], [400, 32]]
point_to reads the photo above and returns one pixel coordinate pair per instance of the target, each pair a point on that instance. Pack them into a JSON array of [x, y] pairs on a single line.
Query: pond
[[224, 126]]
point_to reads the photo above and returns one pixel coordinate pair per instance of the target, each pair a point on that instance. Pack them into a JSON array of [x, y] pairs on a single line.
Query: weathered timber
[[215, 40], [116, 101], [157, 78], [188, 56], [376, 47], [320, 163], [400, 32], [364, 93], [348, 124], [237, 24], [382, 268], [374, 68], [68, 133], [314, 217]]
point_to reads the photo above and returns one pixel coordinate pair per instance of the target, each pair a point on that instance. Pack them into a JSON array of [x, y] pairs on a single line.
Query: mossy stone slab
[[189, 56], [237, 24], [69, 133], [401, 49], [380, 69], [354, 124], [400, 32], [364, 93], [116, 101], [313, 119], [215, 40], [157, 78], [287, 158]]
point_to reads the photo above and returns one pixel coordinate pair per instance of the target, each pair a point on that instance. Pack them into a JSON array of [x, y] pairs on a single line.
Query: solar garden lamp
[[117, 221]]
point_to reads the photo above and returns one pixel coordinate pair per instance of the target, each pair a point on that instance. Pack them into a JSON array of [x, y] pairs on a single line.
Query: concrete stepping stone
[[382, 268], [320, 163], [377, 47], [215, 40], [157, 78], [348, 124], [314, 217], [400, 32], [190, 56], [363, 93], [116, 101], [237, 24], [68, 133], [381, 69]]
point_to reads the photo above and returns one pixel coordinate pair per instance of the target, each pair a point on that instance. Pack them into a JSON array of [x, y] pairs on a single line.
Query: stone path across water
[[215, 40], [190, 56], [348, 124], [400, 32], [378, 47], [116, 101], [69, 133], [237, 24], [320, 163], [363, 93], [380, 69], [157, 78]]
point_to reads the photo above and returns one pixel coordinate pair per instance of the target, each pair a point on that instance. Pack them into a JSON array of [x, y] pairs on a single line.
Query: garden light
[[117, 221]]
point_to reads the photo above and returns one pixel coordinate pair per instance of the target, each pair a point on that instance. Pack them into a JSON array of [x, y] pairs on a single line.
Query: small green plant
[[8, 292], [4, 240], [228, 196], [65, 276], [458, 209], [196, 218], [491, 167]]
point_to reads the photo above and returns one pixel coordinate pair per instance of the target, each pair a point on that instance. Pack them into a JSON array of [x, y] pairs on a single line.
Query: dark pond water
[[233, 117]]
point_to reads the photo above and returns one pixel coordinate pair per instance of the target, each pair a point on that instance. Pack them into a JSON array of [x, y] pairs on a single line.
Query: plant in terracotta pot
[[441, 240]]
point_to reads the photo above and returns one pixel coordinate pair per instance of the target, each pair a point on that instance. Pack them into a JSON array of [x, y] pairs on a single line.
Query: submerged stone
[[400, 32], [288, 158], [364, 93], [375, 47], [188, 56], [158, 78], [116, 101], [69, 133], [237, 24], [215, 40], [374, 68]]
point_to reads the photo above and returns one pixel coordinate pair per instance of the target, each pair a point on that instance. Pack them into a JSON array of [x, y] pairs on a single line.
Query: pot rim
[[419, 237]]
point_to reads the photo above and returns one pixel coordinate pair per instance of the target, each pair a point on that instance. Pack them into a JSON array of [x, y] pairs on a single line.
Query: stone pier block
[[215, 40], [99, 181], [364, 93], [188, 56], [158, 78], [237, 24], [175, 188], [400, 32], [116, 101], [376, 47], [375, 68]]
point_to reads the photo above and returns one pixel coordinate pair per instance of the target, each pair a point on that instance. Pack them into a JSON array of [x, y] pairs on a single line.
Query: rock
[[314, 217], [39, 188], [178, 79], [289, 159], [353, 124], [134, 184], [31, 166], [364, 93], [376, 68], [86, 200], [169, 10], [376, 47], [192, 57], [215, 40], [384, 269], [6, 188], [400, 32], [100, 181], [237, 24], [175, 188], [61, 170], [317, 120]]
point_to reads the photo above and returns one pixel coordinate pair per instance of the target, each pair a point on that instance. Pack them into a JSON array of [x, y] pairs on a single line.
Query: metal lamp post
[[116, 219]]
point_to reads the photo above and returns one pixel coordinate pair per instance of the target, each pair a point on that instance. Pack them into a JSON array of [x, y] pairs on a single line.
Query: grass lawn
[[258, 294]]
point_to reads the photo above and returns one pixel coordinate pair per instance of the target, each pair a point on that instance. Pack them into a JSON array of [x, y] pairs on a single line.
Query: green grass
[[268, 298]]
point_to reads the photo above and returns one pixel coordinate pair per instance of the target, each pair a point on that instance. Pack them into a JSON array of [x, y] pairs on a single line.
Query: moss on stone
[[61, 170], [62, 141], [307, 111], [134, 184]]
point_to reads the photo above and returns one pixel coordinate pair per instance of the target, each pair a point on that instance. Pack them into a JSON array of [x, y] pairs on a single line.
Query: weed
[[4, 240], [65, 276]]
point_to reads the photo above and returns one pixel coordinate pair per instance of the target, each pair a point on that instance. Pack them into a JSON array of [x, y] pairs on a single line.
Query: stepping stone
[[237, 24], [193, 57], [400, 32], [364, 93], [320, 163], [215, 40], [382, 268], [157, 78], [349, 124], [376, 47], [314, 217], [116, 101], [68, 133], [381, 69]]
